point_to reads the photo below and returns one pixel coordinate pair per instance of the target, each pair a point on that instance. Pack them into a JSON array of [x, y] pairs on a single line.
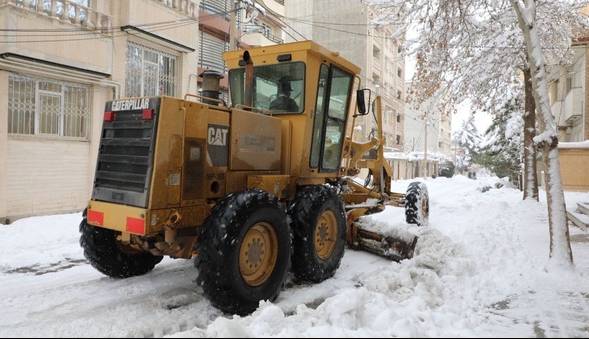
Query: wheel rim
[[258, 254], [325, 234]]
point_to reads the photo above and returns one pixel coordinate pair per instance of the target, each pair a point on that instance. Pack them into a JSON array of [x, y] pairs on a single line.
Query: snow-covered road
[[478, 271]]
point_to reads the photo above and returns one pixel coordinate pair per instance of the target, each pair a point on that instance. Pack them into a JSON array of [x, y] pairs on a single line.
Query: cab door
[[333, 98]]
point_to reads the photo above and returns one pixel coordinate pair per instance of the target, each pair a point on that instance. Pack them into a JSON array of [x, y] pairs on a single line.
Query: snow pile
[[478, 270], [40, 241], [395, 302]]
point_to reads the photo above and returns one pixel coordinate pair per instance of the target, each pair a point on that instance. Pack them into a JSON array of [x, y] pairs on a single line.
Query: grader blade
[[395, 247]]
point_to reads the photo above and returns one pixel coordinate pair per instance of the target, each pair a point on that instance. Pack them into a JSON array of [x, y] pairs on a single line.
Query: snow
[[415, 156], [582, 144], [478, 270]]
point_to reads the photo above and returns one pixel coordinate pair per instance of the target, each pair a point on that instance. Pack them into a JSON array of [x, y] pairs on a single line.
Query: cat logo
[[218, 136], [218, 148]]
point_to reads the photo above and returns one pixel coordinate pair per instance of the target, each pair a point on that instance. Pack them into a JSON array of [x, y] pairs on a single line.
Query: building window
[[399, 95], [568, 85], [149, 72], [398, 117], [211, 52], [399, 72], [47, 107], [214, 6], [553, 94], [400, 49], [398, 139], [375, 51]]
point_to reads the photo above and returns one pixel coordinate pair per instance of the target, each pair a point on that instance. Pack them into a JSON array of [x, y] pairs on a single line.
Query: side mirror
[[361, 100]]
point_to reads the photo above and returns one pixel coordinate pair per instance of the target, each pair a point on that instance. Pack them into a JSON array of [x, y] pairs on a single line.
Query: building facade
[[428, 128], [60, 63], [568, 93], [345, 27], [257, 23]]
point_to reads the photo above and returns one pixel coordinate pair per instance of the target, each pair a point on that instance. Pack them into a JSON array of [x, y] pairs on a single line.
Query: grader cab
[[249, 191]]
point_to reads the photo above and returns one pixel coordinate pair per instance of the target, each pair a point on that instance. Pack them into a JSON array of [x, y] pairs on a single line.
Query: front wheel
[[417, 204], [108, 256], [319, 227], [243, 252]]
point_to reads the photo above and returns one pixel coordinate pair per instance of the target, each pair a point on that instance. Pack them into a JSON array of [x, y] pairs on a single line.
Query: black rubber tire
[[219, 245], [104, 254], [309, 204], [417, 204]]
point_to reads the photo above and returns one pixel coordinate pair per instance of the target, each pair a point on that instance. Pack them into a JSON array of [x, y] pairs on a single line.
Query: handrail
[[254, 109]]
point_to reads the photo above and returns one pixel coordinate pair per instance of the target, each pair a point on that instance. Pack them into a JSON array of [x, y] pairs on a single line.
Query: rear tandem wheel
[[244, 252]]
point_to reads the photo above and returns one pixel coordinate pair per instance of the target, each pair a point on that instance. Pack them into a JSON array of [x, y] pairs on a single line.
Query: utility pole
[[425, 147], [233, 35]]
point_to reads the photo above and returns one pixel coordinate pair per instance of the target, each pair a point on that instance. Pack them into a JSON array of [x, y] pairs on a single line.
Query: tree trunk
[[560, 246], [530, 170]]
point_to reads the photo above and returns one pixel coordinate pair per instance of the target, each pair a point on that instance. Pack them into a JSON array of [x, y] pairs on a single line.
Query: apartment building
[[257, 23], [445, 134], [345, 26], [60, 61], [568, 93], [428, 128]]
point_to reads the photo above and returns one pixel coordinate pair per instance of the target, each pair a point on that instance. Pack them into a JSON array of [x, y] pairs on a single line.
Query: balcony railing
[[573, 104], [254, 28], [556, 108], [65, 11], [186, 7]]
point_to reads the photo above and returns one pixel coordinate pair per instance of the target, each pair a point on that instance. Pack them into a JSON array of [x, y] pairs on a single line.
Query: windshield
[[277, 88]]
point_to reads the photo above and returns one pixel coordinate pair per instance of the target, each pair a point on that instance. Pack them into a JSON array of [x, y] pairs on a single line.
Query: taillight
[[95, 217], [135, 225], [147, 114], [109, 116]]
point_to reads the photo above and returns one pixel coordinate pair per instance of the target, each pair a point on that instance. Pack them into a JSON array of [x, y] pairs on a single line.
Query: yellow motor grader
[[251, 191]]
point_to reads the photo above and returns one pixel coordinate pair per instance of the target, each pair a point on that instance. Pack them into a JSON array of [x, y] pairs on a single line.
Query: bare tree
[[530, 178], [478, 49], [547, 141]]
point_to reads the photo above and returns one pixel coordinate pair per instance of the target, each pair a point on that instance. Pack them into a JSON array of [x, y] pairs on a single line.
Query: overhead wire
[[85, 34], [165, 25], [278, 17], [114, 35]]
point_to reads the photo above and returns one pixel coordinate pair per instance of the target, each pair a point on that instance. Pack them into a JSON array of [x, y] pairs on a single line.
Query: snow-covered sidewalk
[[478, 271]]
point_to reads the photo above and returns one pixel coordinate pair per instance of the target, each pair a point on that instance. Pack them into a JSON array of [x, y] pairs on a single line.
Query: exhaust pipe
[[249, 79], [211, 86]]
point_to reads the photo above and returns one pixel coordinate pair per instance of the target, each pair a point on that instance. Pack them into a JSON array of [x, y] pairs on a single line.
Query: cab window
[[337, 108], [319, 119], [333, 92], [277, 88]]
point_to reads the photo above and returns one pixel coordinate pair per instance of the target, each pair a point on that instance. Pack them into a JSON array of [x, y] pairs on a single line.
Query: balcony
[[184, 7], [275, 6], [65, 11], [556, 109], [218, 7], [255, 35], [573, 105]]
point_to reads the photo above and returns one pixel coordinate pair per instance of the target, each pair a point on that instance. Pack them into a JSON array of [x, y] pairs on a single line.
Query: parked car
[[446, 169]]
